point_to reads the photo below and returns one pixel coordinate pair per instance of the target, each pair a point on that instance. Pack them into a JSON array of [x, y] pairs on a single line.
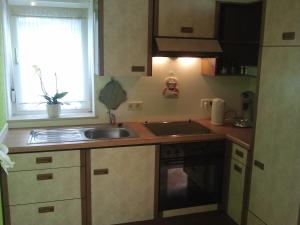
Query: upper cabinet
[[185, 18], [239, 26], [282, 27], [125, 32]]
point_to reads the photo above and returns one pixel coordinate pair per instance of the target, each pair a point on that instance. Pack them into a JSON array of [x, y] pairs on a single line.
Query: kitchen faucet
[[111, 117]]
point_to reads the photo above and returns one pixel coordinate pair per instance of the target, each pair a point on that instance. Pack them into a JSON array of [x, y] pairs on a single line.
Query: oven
[[191, 175]]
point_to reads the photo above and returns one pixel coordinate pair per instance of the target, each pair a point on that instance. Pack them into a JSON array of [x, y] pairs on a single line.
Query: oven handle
[[181, 161]]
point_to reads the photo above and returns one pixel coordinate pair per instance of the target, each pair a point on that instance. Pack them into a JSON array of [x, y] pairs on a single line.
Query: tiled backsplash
[[191, 84]]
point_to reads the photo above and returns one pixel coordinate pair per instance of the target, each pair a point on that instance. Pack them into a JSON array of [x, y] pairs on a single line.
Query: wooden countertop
[[240, 136], [16, 139]]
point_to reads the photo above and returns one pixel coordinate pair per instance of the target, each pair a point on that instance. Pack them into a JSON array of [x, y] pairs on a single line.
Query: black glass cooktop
[[176, 128]]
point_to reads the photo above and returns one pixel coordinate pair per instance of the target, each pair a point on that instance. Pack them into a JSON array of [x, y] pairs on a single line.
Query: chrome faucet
[[111, 117]]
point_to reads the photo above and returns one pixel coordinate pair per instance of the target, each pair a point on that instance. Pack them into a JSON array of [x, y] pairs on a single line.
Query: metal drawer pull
[[137, 69], [46, 176], [187, 30], [288, 36], [237, 168], [239, 153], [46, 209], [259, 164], [100, 171], [40, 160]]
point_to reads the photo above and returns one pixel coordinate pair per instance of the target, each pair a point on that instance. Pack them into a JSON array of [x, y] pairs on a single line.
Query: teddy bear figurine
[[171, 90]]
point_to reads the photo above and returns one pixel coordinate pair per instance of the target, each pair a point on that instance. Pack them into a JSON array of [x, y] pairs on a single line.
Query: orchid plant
[[50, 100]]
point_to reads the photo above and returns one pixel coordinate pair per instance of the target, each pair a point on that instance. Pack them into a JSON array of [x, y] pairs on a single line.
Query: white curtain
[[56, 45]]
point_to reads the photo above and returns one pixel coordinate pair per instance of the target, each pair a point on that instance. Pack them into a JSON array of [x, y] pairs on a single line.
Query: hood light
[[160, 60], [187, 61]]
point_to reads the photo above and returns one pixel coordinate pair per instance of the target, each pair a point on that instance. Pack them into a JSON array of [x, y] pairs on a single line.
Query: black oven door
[[191, 180]]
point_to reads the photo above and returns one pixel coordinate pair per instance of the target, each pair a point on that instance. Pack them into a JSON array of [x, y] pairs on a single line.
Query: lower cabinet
[[27, 187], [238, 167], [236, 191], [122, 184], [44, 189], [51, 213]]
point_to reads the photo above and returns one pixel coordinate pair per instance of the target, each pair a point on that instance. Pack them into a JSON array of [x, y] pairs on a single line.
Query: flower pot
[[53, 110]]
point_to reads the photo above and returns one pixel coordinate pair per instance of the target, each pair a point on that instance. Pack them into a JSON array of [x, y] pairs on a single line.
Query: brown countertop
[[16, 139], [240, 136]]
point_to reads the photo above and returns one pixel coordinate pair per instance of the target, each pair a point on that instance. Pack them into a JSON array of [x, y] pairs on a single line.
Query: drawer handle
[[46, 176], [40, 160], [100, 171], [288, 36], [47, 209], [239, 153], [187, 30], [238, 168], [137, 69], [259, 164]]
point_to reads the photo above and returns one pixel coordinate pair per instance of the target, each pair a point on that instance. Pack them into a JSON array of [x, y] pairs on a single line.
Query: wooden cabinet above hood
[[185, 28]]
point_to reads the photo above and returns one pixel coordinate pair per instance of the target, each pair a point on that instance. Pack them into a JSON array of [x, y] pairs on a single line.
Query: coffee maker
[[246, 120]]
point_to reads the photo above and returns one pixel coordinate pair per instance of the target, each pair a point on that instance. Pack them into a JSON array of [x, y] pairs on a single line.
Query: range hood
[[187, 47]]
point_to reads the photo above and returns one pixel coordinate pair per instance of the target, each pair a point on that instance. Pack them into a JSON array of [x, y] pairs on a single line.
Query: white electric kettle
[[217, 111]]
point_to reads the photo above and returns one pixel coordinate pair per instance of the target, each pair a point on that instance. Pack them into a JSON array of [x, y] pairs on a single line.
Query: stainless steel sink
[[112, 132], [59, 135]]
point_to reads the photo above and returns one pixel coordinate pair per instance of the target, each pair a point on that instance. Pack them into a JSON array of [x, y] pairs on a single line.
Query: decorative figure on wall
[[171, 90]]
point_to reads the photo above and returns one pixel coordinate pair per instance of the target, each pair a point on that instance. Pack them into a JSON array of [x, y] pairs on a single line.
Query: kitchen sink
[[113, 132], [60, 135], [176, 128]]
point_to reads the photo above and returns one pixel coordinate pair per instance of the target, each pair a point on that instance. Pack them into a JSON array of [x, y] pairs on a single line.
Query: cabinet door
[[186, 18], [275, 192], [236, 191], [122, 184], [282, 17], [125, 41]]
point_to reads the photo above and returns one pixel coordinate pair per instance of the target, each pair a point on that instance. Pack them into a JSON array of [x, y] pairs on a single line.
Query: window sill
[[44, 117]]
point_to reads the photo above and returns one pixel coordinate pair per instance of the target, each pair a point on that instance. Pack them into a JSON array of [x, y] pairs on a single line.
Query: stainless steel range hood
[[187, 47]]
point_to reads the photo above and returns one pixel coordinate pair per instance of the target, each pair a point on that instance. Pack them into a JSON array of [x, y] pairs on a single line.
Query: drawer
[[45, 160], [52, 213], [236, 191], [239, 153], [26, 187]]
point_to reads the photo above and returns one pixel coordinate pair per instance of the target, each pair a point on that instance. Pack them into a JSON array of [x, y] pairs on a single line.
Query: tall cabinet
[[282, 26], [275, 184]]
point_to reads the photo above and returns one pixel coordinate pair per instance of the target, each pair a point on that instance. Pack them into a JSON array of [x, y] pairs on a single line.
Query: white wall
[[192, 85]]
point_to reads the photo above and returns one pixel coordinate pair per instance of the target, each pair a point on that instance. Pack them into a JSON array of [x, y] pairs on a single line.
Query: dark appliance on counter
[[247, 101], [191, 175]]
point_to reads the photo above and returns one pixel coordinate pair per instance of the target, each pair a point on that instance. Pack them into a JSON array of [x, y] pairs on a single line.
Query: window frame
[[13, 112]]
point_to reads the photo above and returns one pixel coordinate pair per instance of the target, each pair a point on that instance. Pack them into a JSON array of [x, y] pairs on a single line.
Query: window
[[58, 41]]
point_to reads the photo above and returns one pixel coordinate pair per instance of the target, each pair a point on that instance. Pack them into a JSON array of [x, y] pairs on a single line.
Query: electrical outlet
[[135, 106], [206, 103]]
